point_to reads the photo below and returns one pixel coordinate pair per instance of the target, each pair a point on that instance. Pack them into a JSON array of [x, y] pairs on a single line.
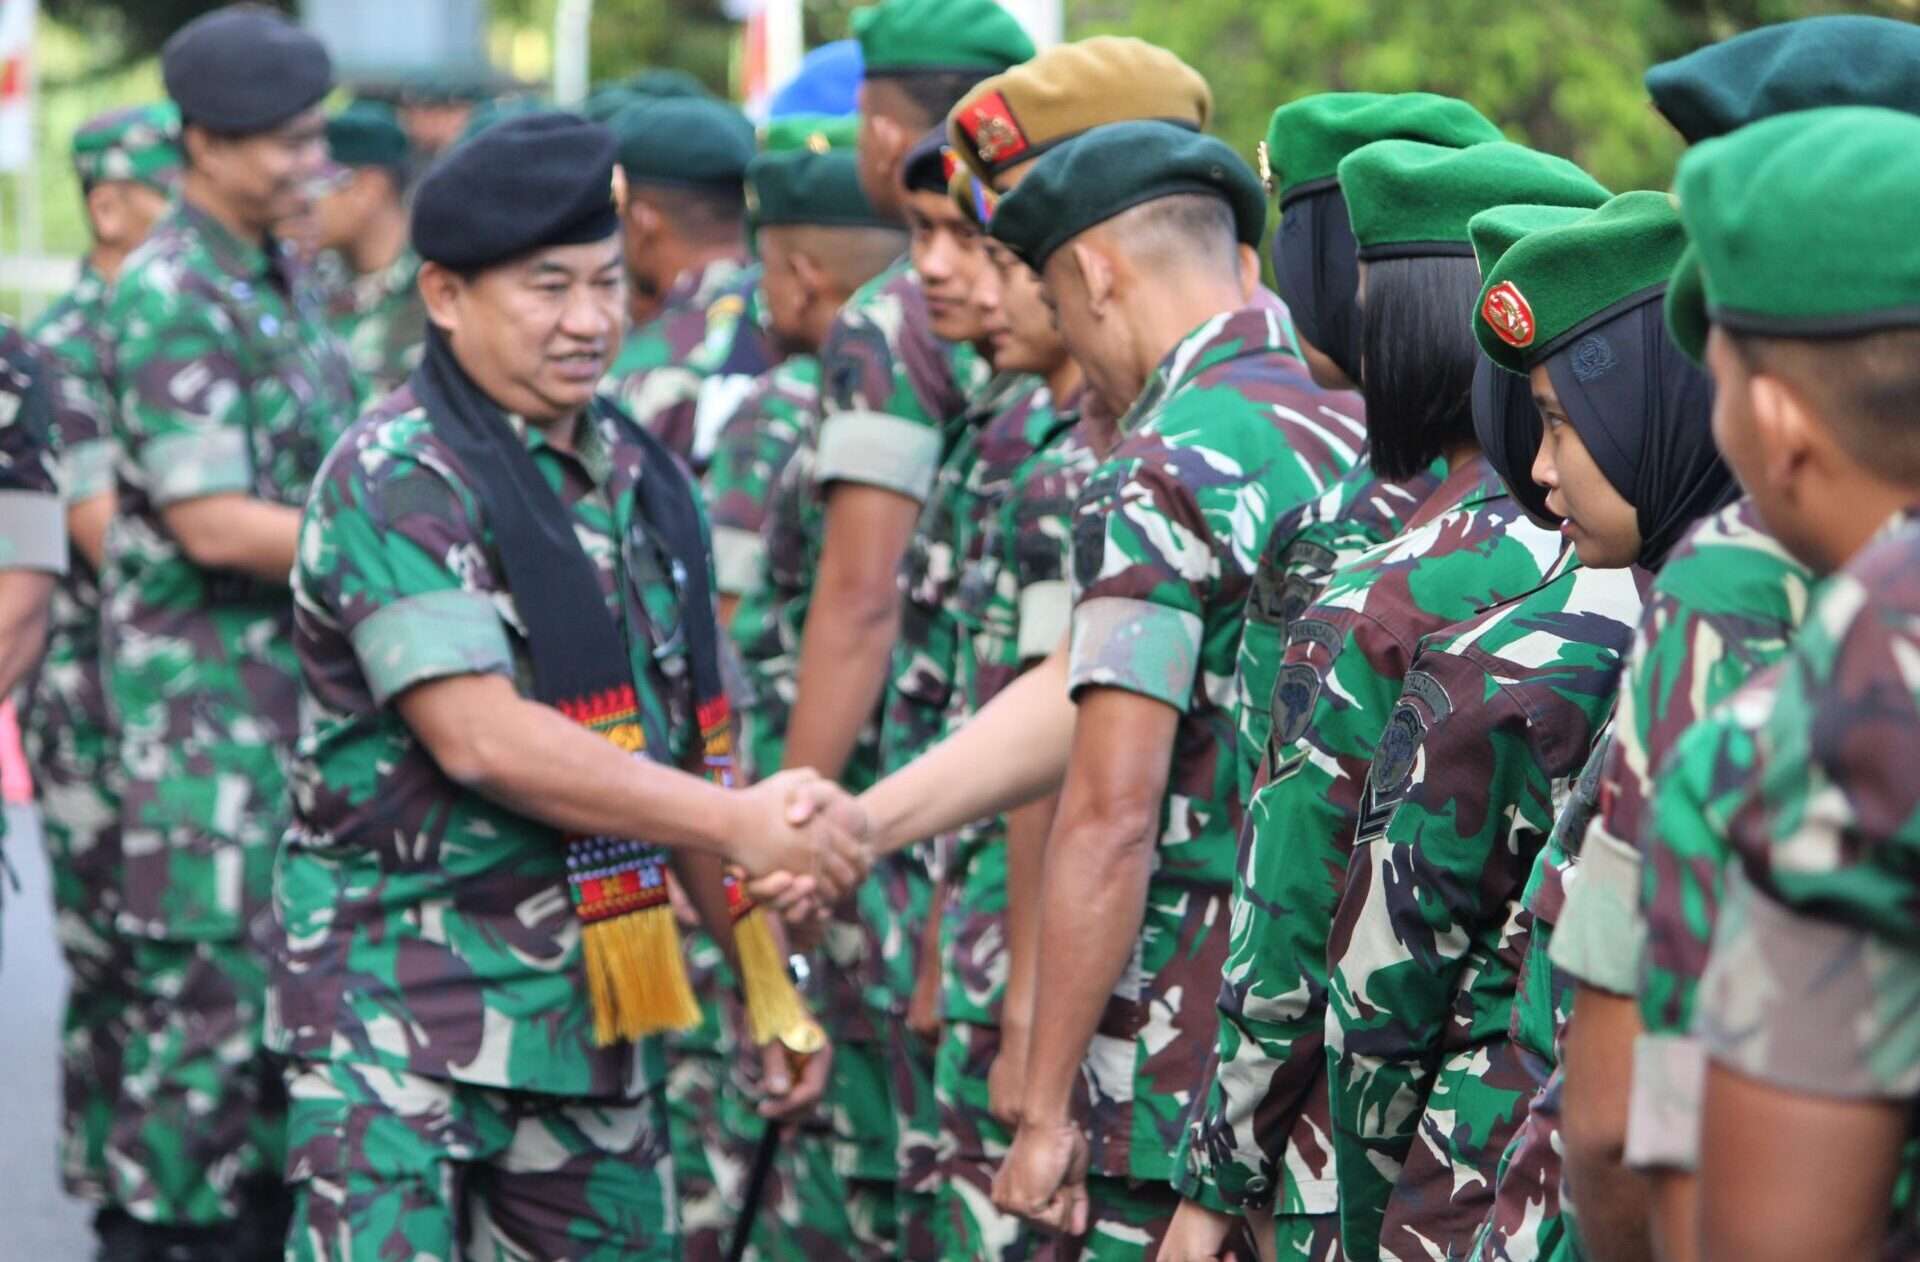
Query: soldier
[[1495, 715], [1627, 459], [1221, 411], [682, 166], [454, 645], [230, 390], [34, 554], [362, 216], [1259, 1142], [1800, 285], [1722, 609], [128, 162], [435, 112]]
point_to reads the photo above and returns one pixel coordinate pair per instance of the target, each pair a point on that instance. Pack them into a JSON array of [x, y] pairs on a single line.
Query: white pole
[[1045, 20], [786, 40], [572, 42]]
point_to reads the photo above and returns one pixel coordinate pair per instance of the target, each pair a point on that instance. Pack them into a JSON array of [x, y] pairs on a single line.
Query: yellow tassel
[[637, 977], [774, 1007]]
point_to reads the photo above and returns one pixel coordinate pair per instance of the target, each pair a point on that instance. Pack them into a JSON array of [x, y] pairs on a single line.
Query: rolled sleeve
[[737, 555], [1046, 611], [875, 449], [1137, 646], [1809, 1005], [434, 635], [1663, 1104], [33, 532], [193, 463], [1601, 935]]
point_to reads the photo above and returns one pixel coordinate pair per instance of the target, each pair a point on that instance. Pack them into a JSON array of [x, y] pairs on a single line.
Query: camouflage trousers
[[863, 1144], [80, 824], [917, 1155], [973, 1143], [1444, 1192], [201, 1113], [1528, 1222], [712, 1132], [385, 1164]]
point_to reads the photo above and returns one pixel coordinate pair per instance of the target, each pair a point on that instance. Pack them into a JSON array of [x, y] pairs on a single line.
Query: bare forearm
[[1093, 903], [1613, 1200], [1027, 829], [23, 623], [237, 532], [87, 522], [843, 669], [1675, 1216], [1011, 753], [702, 878]]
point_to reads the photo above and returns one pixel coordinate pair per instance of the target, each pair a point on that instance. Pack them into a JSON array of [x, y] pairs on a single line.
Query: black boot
[[125, 1239]]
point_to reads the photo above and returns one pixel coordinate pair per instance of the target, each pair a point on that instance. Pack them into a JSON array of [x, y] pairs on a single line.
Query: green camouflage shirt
[[753, 451], [229, 383], [685, 373], [383, 322], [426, 928], [1810, 983], [1261, 1138], [1228, 436], [1494, 719]]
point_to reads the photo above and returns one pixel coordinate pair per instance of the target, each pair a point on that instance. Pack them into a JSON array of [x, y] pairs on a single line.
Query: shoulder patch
[[1423, 704]]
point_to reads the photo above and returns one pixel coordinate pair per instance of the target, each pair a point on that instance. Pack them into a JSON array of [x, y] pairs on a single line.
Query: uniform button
[[1258, 1185]]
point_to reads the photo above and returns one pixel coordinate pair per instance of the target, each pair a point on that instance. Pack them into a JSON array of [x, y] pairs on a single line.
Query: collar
[[242, 259], [591, 449], [1236, 334]]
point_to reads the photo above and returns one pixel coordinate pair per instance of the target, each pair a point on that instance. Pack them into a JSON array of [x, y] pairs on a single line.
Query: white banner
[[16, 84]]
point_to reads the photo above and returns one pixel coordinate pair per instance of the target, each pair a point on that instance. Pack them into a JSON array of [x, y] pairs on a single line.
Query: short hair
[[703, 212], [935, 92], [1184, 230], [1866, 388], [851, 256], [1417, 354]]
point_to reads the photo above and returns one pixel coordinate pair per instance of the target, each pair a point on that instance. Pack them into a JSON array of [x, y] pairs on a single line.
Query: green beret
[[1097, 175], [1307, 138], [928, 36], [801, 187], [1493, 232], [452, 85], [1800, 226], [1808, 64], [1555, 283], [684, 140], [665, 82], [603, 104], [816, 133], [1406, 197], [366, 134], [141, 144]]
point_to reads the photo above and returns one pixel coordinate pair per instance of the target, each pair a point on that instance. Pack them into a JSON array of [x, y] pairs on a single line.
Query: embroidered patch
[[1296, 692], [1508, 314], [1266, 166], [1097, 500], [1592, 358], [1423, 704], [989, 124]]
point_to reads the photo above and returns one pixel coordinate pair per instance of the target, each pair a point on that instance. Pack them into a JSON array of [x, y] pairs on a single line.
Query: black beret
[[1104, 172], [244, 69], [530, 182], [924, 170]]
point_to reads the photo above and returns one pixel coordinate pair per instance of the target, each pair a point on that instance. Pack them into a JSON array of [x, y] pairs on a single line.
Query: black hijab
[[1317, 264], [1644, 411], [1507, 422]]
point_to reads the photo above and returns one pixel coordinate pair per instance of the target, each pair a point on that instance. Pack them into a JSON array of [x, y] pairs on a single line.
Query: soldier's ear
[[439, 292], [1097, 275], [1790, 436], [1249, 272]]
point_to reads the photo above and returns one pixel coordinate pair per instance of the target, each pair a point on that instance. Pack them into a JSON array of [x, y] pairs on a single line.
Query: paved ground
[[39, 1223]]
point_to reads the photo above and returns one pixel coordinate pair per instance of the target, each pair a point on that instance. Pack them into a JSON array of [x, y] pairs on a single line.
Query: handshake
[[804, 842]]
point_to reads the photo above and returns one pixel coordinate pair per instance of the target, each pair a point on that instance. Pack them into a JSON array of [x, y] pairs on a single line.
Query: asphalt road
[[39, 1222]]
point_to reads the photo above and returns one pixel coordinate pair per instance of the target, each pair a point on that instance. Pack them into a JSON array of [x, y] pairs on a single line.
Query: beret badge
[[1508, 315], [989, 123]]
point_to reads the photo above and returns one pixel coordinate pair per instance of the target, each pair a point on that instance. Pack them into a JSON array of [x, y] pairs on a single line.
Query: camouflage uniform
[[683, 375], [426, 982], [229, 383], [1261, 1141], [1227, 436], [893, 404], [69, 748], [1006, 597], [1495, 718], [1722, 607], [1809, 984], [382, 320], [754, 449]]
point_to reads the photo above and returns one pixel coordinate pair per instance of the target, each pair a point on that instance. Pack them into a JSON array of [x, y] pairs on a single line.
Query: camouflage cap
[[1841, 59], [1408, 198], [141, 144], [1558, 281], [366, 134], [1307, 138], [929, 36], [1112, 169], [816, 133], [1800, 226], [1069, 89]]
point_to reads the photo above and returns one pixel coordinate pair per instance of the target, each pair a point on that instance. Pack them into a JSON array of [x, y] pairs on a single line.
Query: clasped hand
[[803, 841]]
